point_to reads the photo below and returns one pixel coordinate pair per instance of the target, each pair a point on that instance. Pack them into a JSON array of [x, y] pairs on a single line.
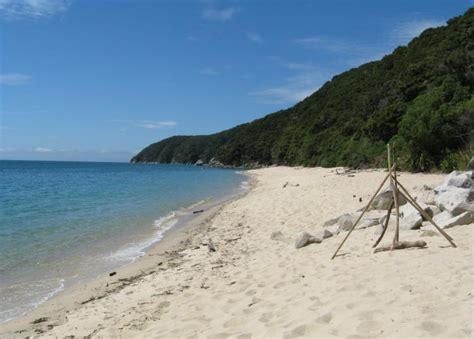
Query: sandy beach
[[255, 285]]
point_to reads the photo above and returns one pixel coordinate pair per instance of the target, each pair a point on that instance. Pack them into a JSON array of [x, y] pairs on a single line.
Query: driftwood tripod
[[398, 190]]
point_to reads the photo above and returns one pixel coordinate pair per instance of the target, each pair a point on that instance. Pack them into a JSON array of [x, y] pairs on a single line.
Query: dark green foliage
[[419, 98]]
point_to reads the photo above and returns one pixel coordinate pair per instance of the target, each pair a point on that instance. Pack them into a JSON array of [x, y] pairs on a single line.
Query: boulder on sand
[[465, 218], [383, 200], [456, 194], [305, 239]]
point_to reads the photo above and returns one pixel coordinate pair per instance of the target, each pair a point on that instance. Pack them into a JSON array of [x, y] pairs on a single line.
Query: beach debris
[[456, 194], [198, 211], [306, 239], [288, 184], [111, 274], [400, 245], [40, 320], [211, 246]]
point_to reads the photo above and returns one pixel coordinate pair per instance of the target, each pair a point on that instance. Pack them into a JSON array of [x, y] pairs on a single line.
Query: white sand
[[253, 286]]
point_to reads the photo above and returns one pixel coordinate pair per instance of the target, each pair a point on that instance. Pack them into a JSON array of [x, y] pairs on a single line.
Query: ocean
[[63, 222]]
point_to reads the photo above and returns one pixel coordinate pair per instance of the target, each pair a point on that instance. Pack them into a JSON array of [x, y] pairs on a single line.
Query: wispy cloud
[[209, 71], [14, 79], [303, 83], [156, 124], [147, 124], [335, 45], [42, 150], [407, 30], [254, 37], [214, 14], [32, 8]]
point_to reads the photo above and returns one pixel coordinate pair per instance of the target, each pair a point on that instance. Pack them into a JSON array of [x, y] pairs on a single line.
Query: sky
[[99, 80]]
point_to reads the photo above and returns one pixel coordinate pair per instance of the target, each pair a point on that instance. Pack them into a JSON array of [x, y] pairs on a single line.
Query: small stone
[[323, 234], [345, 222], [305, 239], [330, 222], [276, 236]]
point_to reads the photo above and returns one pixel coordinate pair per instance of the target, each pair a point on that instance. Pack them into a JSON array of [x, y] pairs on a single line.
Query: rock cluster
[[450, 204]]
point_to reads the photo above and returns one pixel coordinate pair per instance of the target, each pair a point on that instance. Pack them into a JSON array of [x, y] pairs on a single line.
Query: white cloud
[[14, 78], [42, 150], [208, 71], [334, 45], [32, 8], [155, 124], [306, 81], [254, 37], [407, 30], [214, 14]]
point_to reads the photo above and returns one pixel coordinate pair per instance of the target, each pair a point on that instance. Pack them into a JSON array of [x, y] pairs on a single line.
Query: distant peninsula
[[419, 98]]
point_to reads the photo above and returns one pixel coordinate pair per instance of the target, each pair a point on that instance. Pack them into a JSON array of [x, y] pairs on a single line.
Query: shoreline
[[156, 256], [257, 284]]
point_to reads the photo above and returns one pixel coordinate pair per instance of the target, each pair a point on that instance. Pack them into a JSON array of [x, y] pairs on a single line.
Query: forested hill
[[420, 98]]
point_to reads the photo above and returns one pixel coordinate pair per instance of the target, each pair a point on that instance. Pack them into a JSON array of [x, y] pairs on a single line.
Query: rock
[[364, 223], [410, 218], [412, 222], [470, 166], [330, 222], [334, 229], [459, 179], [305, 239], [199, 163], [461, 219], [456, 194], [427, 195], [436, 210], [445, 222], [345, 222], [383, 200], [442, 217], [323, 234], [277, 236]]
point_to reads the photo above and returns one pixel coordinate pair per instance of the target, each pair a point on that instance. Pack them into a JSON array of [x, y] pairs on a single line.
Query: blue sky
[[99, 80]]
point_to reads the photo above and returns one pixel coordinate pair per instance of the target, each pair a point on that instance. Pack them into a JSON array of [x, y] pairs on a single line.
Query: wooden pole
[[424, 214], [387, 219], [395, 196], [362, 214]]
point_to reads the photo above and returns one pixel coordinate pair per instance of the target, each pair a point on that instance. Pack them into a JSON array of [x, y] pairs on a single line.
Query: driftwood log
[[402, 245]]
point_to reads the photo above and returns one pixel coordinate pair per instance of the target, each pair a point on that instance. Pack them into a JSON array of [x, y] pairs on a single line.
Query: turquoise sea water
[[61, 222]]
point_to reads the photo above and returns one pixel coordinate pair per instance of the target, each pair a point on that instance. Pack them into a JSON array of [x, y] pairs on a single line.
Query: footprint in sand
[[266, 317], [325, 318], [279, 285], [298, 331], [432, 327]]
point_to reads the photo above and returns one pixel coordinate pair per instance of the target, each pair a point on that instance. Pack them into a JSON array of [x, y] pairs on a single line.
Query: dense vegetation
[[420, 98]]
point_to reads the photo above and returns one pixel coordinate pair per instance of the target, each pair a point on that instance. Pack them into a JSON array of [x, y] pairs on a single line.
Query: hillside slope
[[420, 97]]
